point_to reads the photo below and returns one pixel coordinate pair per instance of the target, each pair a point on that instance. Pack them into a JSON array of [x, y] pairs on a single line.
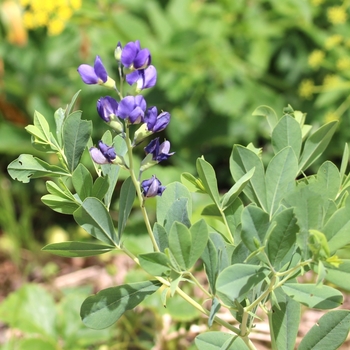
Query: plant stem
[[136, 183], [194, 279]]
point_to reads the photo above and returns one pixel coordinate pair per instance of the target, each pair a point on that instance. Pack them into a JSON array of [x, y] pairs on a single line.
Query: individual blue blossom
[[107, 108], [104, 154], [132, 108], [155, 122], [152, 123], [159, 152], [96, 74], [152, 187], [134, 58], [144, 78]]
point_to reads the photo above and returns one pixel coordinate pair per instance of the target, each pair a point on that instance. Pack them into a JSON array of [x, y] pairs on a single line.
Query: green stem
[[136, 183], [194, 279]]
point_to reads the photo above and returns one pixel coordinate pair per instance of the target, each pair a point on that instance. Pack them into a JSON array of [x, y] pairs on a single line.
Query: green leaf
[[60, 204], [207, 175], [280, 177], [126, 201], [82, 181], [192, 183], [180, 244], [77, 249], [106, 307], [269, 113], [216, 340], [255, 223], [177, 213], [282, 238], [337, 228], [328, 180], [210, 261], [27, 167], [234, 282], [31, 309], [76, 134], [215, 307], [340, 276], [329, 332], [161, 236], [59, 119], [311, 295], [315, 144], [284, 320], [71, 104], [100, 187], [93, 217], [35, 344], [242, 160], [199, 237], [287, 133], [174, 191], [236, 189], [344, 161], [156, 263], [60, 190]]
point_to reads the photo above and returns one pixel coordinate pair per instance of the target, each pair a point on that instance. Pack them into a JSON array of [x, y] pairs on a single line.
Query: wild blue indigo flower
[[152, 123], [132, 108], [107, 108], [96, 74], [144, 78], [152, 187], [159, 151], [155, 122], [105, 154], [133, 57]]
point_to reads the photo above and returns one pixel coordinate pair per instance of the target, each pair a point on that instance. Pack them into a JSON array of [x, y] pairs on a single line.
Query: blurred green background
[[217, 61]]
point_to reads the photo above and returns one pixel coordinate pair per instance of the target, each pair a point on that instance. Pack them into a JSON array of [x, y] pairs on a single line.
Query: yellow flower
[[330, 80], [64, 13], [76, 4], [29, 20], [24, 3], [337, 15], [343, 63], [316, 57], [41, 18], [333, 41], [306, 89], [55, 27]]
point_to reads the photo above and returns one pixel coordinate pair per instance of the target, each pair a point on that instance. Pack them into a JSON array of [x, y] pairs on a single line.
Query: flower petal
[[87, 74], [128, 54], [100, 70]]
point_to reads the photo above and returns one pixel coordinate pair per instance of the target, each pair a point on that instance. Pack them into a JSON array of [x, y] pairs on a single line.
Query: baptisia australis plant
[[253, 243]]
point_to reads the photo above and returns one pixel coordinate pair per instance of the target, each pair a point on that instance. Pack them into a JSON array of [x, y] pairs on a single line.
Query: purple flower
[[152, 187], [107, 108], [93, 75], [133, 57], [159, 151], [96, 74], [144, 78], [133, 108], [104, 154], [155, 122]]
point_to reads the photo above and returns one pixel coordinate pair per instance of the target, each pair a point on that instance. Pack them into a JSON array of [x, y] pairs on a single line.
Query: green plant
[[268, 229]]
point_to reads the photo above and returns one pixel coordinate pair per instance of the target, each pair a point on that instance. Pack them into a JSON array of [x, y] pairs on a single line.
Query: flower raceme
[[96, 74], [132, 109]]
